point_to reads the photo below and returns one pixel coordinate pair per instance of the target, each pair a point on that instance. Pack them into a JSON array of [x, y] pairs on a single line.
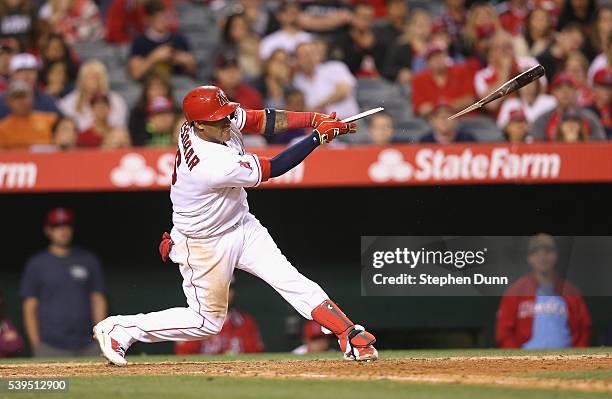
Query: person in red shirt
[[314, 339], [125, 20], [602, 96], [512, 16], [441, 80], [11, 342], [239, 334], [229, 79], [541, 309]]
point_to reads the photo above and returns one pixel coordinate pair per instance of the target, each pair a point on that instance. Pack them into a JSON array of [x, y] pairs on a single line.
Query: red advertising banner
[[151, 169]]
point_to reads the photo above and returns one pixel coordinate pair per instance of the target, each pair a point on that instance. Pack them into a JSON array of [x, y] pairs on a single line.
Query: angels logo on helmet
[[222, 98]]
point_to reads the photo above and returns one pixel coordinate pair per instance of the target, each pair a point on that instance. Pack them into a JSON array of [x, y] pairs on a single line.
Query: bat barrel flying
[[521, 80]]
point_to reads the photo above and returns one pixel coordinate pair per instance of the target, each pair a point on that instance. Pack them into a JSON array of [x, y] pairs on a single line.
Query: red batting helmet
[[207, 103]]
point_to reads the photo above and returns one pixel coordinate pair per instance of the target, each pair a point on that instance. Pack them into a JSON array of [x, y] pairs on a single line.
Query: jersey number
[[177, 163]]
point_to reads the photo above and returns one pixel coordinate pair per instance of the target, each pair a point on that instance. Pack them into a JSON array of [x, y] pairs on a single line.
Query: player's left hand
[[330, 128]]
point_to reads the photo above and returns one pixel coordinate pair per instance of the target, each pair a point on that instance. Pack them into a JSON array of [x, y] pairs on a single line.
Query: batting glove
[[330, 127]]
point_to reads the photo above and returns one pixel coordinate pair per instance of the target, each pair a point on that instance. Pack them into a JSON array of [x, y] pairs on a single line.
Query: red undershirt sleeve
[[265, 167], [298, 120], [256, 120], [254, 123]]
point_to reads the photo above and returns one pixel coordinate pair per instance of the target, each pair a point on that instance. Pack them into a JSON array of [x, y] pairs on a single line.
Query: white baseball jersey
[[213, 234], [207, 191]]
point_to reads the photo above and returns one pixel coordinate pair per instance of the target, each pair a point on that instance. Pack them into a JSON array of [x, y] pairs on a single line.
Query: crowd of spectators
[[303, 55]]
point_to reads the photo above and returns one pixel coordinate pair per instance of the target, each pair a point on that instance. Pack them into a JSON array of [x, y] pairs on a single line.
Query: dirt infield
[[507, 371]]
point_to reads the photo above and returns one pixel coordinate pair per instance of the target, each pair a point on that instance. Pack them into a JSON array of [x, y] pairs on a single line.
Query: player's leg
[[206, 266], [262, 258]]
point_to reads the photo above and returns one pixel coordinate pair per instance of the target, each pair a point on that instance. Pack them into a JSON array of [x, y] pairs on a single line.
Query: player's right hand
[[330, 128]]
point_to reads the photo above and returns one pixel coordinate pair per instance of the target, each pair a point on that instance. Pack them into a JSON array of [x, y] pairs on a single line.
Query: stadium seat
[[482, 127], [410, 130]]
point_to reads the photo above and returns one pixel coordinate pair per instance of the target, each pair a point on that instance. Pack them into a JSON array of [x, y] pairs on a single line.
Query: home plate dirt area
[[515, 371]]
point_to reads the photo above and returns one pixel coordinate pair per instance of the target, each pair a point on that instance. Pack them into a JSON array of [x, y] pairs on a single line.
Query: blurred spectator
[[569, 39], [512, 16], [503, 65], [159, 48], [532, 100], [62, 289], [24, 127], [581, 12], [380, 129], [155, 85], [289, 36], [11, 342], [314, 340], [441, 80], [407, 55], [25, 67], [358, 47], [76, 20], [602, 61], [294, 101], [99, 128], [600, 36], [391, 28], [602, 97], [537, 34], [260, 18], [42, 32], [576, 66], [17, 20], [238, 36], [440, 36], [328, 86], [542, 310], [326, 17], [545, 127], [229, 78], [55, 79], [516, 130], [125, 20], [239, 334], [8, 47], [454, 19], [573, 127], [275, 80], [160, 122], [92, 80], [116, 138], [444, 131], [481, 23], [56, 49], [65, 134]]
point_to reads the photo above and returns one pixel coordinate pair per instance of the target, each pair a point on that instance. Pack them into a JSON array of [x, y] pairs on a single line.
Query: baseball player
[[214, 232]]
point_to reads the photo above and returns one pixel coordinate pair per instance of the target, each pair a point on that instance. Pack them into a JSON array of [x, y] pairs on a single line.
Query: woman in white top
[[93, 79]]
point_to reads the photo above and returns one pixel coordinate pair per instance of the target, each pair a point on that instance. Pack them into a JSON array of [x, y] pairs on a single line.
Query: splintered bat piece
[[510, 86]]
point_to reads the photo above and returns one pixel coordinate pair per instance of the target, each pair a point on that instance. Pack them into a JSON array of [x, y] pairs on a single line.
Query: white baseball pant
[[207, 265]]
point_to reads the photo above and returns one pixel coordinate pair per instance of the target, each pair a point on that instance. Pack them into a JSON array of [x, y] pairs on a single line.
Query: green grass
[[184, 387], [574, 375]]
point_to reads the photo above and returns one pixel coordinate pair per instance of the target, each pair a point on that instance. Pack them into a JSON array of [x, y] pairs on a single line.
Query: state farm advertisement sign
[[149, 169], [438, 165]]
